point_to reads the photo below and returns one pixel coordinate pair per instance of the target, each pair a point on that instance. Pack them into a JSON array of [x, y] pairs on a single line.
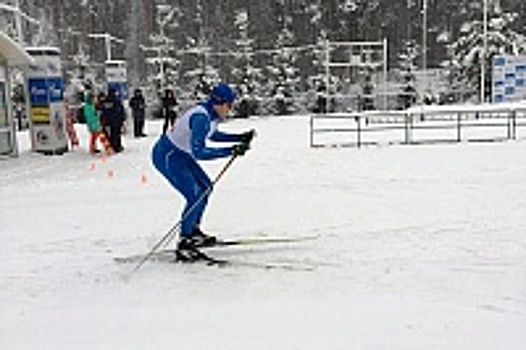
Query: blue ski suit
[[176, 153]]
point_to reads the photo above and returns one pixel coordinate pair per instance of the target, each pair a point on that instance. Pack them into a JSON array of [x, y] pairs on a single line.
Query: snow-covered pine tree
[[246, 75], [282, 72], [199, 74], [407, 61], [135, 38], [162, 60], [467, 50], [318, 99], [45, 33]]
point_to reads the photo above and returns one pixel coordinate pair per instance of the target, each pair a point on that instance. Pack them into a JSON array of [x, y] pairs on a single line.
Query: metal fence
[[418, 125]]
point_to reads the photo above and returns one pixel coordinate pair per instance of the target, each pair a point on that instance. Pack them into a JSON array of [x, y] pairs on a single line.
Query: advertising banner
[[508, 78], [46, 100]]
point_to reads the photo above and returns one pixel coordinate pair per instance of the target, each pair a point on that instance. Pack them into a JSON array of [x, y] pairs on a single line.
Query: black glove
[[240, 149], [248, 136]]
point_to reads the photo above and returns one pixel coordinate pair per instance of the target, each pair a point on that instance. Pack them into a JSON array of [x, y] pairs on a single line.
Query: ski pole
[[169, 236]]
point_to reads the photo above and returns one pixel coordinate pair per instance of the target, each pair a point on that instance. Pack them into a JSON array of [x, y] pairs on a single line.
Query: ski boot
[[200, 239], [187, 251]]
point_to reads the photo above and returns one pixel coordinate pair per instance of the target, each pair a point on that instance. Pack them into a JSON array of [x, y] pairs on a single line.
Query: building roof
[[13, 52]]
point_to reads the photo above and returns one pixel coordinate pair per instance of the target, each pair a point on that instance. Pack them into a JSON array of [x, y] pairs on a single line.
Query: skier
[[176, 153]]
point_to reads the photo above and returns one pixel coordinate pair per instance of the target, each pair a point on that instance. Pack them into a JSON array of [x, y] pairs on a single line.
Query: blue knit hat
[[222, 93]]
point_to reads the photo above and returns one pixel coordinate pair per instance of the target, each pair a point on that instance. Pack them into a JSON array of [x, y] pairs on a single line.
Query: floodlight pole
[[424, 47], [18, 19], [484, 52], [107, 41]]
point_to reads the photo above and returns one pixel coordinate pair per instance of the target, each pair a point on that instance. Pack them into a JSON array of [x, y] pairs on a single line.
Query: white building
[[11, 54]]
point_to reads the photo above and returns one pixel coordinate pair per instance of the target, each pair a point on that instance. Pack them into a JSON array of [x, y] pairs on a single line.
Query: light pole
[[107, 41], [484, 52], [18, 19], [424, 48]]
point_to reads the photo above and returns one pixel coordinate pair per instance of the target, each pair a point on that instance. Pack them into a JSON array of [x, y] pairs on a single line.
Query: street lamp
[[424, 47], [484, 51], [107, 40], [18, 19]]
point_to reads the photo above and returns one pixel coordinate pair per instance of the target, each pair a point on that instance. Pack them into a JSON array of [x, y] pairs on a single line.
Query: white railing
[[417, 125]]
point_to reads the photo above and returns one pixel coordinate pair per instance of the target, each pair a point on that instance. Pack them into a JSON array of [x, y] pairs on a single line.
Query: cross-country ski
[[170, 255], [231, 261]]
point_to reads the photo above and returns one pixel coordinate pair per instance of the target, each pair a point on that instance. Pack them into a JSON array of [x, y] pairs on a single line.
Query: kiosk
[[46, 99], [10, 54]]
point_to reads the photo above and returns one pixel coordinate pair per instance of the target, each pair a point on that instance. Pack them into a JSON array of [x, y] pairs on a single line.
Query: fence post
[[459, 126], [514, 124], [407, 127], [358, 131], [312, 131]]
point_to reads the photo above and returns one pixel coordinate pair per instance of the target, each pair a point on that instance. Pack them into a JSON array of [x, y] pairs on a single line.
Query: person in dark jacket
[[168, 109], [112, 112], [138, 107]]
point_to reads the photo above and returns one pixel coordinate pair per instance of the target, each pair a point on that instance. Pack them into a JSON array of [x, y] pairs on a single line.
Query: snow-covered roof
[[43, 50], [12, 52]]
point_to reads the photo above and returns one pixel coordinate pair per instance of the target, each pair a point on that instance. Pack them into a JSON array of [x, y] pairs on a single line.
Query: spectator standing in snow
[[321, 100], [114, 116], [138, 107], [94, 126], [98, 107], [176, 153], [168, 109], [70, 127]]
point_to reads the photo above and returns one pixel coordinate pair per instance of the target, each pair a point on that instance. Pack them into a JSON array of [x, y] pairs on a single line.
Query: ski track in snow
[[420, 247]]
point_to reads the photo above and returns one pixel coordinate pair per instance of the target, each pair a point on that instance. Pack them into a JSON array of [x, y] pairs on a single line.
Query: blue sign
[[56, 89], [44, 91], [38, 92], [121, 87]]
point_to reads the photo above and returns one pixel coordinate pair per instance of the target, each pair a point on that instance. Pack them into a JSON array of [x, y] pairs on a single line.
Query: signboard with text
[[116, 78], [508, 78], [46, 100]]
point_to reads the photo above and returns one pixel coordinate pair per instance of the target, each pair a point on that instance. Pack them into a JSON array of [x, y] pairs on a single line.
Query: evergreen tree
[[200, 73], [282, 72], [467, 52], [317, 82], [245, 74], [135, 57], [163, 61], [408, 65]]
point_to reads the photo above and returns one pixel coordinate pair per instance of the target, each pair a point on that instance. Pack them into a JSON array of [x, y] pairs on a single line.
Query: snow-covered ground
[[420, 247]]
